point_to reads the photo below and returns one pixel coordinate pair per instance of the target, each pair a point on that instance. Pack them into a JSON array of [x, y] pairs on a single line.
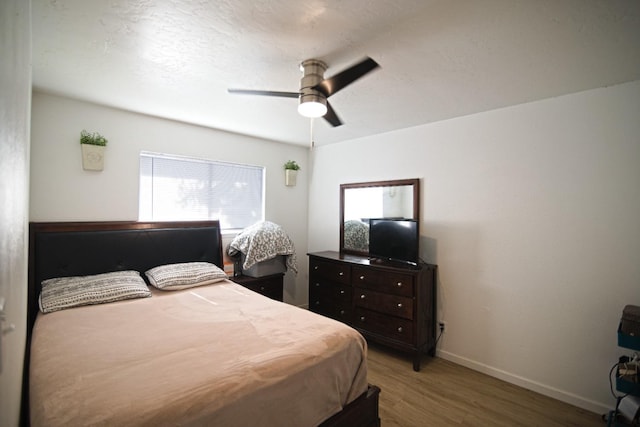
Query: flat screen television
[[392, 239]]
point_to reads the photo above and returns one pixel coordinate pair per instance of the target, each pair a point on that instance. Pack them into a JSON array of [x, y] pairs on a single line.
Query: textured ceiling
[[439, 58]]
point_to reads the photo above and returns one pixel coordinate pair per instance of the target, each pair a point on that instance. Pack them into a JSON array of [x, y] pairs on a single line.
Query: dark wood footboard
[[362, 412]]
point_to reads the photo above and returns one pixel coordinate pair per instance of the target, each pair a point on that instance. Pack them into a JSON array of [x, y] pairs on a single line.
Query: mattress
[[213, 355]]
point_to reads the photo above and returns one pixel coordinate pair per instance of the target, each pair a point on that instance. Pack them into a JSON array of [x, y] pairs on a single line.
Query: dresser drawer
[[336, 309], [335, 291], [337, 272], [384, 281], [386, 303], [381, 324]]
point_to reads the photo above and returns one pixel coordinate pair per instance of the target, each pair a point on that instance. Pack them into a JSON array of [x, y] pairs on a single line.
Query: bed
[[217, 354]]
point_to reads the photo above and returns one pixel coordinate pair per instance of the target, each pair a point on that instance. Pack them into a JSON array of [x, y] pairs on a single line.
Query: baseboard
[[563, 396]]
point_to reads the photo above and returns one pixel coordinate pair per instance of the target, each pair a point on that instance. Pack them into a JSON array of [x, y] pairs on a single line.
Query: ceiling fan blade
[[344, 78], [264, 93], [332, 117]]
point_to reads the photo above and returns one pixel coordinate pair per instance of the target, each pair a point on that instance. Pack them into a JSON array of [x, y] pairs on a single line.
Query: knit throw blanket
[[261, 242]]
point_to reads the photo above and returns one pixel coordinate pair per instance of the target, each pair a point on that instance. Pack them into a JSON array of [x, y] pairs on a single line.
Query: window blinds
[[177, 188]]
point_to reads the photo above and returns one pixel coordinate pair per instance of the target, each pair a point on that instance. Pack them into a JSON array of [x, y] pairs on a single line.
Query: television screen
[[394, 239]]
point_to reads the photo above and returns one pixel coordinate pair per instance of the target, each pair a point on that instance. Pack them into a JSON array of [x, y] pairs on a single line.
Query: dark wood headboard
[[63, 249]]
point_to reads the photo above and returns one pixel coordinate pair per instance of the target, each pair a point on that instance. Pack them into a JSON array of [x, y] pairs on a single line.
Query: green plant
[[292, 165], [92, 138]]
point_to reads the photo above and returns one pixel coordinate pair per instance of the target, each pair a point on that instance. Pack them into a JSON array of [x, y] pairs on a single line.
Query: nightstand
[[270, 286]]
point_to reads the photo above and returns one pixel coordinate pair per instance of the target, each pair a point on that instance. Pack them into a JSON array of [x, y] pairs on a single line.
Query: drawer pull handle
[[399, 284], [342, 312], [262, 288], [341, 274], [361, 277], [315, 267], [399, 305], [341, 291], [317, 284], [362, 318], [400, 329], [317, 303], [362, 296]]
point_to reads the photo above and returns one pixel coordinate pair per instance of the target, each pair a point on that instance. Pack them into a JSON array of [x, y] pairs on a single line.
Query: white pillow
[[66, 292], [184, 275]]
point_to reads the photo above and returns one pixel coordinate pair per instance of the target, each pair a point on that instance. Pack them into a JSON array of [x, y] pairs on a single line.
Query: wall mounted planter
[[290, 177], [92, 157]]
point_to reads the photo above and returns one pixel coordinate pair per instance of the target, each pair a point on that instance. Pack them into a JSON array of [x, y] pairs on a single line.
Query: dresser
[[390, 304], [270, 286]]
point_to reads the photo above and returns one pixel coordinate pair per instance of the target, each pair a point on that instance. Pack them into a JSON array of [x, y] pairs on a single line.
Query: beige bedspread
[[217, 355]]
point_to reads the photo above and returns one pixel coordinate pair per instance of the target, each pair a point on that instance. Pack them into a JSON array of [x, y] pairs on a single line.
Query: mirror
[[381, 199]]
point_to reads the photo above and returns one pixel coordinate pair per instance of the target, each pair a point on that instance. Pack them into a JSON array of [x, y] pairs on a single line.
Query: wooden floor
[[446, 394]]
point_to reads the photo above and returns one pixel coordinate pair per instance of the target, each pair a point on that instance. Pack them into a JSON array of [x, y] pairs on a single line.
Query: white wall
[[62, 191], [15, 103], [532, 213]]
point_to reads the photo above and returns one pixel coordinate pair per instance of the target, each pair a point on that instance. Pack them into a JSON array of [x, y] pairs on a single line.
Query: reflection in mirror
[[363, 201]]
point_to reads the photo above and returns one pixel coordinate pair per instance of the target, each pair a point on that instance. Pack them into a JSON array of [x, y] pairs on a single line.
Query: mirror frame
[[415, 182]]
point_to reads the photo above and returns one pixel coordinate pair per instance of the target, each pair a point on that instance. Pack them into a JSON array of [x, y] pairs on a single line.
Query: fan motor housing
[[312, 74]]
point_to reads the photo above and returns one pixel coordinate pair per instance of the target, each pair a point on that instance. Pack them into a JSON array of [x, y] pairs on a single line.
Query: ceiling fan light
[[312, 109]]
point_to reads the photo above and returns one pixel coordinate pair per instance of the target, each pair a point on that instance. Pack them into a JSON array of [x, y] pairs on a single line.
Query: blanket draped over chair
[[263, 241]]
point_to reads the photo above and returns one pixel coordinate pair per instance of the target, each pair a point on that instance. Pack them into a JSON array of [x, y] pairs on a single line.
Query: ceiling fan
[[315, 89]]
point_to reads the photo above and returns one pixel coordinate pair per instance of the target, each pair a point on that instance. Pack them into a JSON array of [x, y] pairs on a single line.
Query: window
[[181, 188]]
